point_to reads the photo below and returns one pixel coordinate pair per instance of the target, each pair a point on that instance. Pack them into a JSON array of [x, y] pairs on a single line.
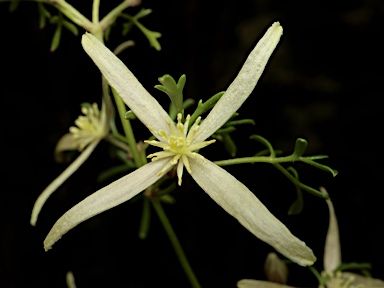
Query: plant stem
[[175, 242], [73, 14], [111, 16], [140, 161], [262, 159], [95, 11], [297, 183], [117, 142]]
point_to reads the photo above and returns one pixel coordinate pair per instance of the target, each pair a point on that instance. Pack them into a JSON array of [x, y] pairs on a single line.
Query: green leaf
[[240, 122], [127, 27], [204, 107], [173, 90], [319, 166], [56, 38], [112, 172], [172, 109], [71, 27], [298, 184], [13, 5], [225, 130], [130, 115], [142, 13], [297, 206], [167, 198], [152, 36], [43, 15], [229, 144], [265, 142], [300, 147], [354, 266]]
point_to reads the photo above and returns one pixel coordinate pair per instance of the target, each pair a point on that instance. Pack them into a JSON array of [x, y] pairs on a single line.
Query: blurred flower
[[90, 129], [275, 269]]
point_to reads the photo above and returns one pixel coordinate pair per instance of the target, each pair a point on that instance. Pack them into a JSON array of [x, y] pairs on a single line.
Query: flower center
[[89, 126], [337, 280], [177, 145]]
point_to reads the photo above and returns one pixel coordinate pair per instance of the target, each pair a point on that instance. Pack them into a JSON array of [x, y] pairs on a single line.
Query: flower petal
[[60, 180], [145, 107], [106, 198], [65, 143], [241, 203], [332, 250], [243, 84], [248, 283], [362, 281], [70, 279]]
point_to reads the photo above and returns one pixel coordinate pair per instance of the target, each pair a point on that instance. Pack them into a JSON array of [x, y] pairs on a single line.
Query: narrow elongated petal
[[65, 143], [60, 180], [145, 107], [106, 198], [249, 283], [243, 84], [241, 203], [332, 250], [70, 280]]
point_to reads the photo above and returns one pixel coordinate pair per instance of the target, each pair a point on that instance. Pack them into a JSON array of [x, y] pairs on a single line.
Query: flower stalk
[[175, 243]]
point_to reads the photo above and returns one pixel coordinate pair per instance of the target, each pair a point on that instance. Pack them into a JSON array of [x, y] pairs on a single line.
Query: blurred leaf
[[56, 38]]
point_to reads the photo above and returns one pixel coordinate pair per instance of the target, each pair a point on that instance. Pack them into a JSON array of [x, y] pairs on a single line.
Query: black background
[[323, 83]]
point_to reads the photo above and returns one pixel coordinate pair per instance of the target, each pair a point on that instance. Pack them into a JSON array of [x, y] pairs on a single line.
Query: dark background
[[323, 83]]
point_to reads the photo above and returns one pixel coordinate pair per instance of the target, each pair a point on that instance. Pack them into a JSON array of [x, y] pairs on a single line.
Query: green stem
[[145, 219], [73, 14], [318, 276], [297, 183], [176, 244], [111, 16], [262, 159], [140, 161], [95, 11], [117, 142]]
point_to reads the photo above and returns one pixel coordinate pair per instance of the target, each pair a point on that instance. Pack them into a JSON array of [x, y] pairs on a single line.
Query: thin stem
[[145, 219], [140, 161], [117, 142], [176, 244], [262, 159], [111, 16], [297, 183], [73, 14], [318, 276], [95, 11]]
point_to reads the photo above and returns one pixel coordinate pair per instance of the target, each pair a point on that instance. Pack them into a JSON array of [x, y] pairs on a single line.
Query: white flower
[[178, 144], [91, 128], [332, 259]]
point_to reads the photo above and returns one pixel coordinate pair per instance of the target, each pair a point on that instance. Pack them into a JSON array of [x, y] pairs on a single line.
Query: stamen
[[176, 145], [89, 126]]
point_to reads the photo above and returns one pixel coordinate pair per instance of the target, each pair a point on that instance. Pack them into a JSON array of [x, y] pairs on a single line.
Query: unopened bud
[[275, 269]]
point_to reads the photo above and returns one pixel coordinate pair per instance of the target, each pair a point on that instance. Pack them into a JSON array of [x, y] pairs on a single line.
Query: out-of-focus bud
[[275, 269]]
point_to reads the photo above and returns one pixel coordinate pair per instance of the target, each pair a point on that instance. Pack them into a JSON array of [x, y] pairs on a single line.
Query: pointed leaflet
[[106, 198], [241, 203], [243, 84], [145, 107]]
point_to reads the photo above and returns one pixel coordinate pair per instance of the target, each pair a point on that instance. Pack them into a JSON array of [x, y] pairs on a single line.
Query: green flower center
[[177, 145], [89, 126], [340, 280]]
